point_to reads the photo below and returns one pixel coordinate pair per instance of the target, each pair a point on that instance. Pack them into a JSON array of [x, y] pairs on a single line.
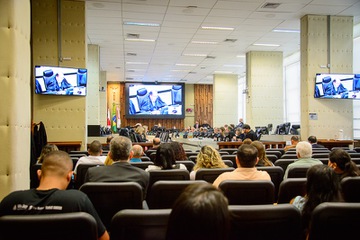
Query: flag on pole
[[108, 118], [113, 122]]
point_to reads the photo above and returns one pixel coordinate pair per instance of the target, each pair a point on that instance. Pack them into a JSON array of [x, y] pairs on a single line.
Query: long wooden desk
[[268, 144], [330, 143], [68, 146]]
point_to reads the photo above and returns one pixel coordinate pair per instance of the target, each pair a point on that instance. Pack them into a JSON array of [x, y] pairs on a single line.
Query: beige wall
[[189, 103], [225, 90], [15, 96], [333, 48], [103, 102], [64, 117], [93, 102], [264, 76]]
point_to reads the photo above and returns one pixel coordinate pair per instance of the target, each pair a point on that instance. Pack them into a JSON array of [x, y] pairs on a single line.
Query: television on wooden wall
[[155, 100], [51, 80]]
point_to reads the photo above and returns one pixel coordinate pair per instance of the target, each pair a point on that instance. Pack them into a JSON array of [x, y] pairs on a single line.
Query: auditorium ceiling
[[191, 40]]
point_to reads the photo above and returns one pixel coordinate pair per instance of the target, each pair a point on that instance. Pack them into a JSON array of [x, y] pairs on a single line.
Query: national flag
[[108, 118], [113, 122]]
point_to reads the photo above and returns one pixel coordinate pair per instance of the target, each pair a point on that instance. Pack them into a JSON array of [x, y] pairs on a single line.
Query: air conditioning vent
[[129, 78], [192, 72], [269, 5], [131, 70], [131, 54], [133, 35], [211, 57], [230, 40], [182, 80]]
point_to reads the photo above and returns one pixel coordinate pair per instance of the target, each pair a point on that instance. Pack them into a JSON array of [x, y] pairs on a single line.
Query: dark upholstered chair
[[81, 172], [228, 163], [132, 224], [81, 77], [189, 164], [142, 96], [145, 158], [351, 189], [280, 222], [297, 172], [289, 155], [248, 192], [273, 152], [283, 163], [272, 157], [176, 92], [356, 82], [79, 226], [290, 188], [229, 150], [276, 174], [142, 165], [320, 155], [189, 154], [109, 198], [332, 220], [210, 174], [230, 157], [163, 194]]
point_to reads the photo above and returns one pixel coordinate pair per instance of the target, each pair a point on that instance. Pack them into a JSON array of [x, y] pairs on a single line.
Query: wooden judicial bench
[[68, 146], [268, 144], [330, 143]]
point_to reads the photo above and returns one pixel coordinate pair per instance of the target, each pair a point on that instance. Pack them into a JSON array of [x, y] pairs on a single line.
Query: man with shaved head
[[50, 197]]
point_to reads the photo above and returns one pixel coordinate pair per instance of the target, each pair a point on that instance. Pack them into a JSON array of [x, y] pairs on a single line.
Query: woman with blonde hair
[[263, 160], [208, 157], [45, 150]]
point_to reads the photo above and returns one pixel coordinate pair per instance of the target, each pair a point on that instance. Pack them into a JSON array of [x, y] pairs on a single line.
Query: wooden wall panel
[[167, 123], [204, 103]]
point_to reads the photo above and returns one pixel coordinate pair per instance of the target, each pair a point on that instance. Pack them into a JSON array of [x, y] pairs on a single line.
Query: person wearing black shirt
[[249, 133]]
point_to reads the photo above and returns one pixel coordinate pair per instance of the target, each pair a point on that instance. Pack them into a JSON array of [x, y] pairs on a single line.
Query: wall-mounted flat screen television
[[155, 100], [336, 85], [60, 80]]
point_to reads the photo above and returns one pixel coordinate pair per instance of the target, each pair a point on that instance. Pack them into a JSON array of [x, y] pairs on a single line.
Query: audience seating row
[[281, 222]]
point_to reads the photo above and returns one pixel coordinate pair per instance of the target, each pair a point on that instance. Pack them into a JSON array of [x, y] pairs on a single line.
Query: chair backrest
[[79, 152], [281, 222], [171, 174], [272, 157], [189, 154], [81, 172], [109, 198], [222, 153], [320, 150], [276, 174], [290, 188], [210, 174], [283, 163], [78, 225], [297, 172], [289, 155], [229, 150], [250, 192], [144, 224], [273, 152], [188, 164], [142, 165], [192, 158], [351, 189], [332, 220], [163, 194], [145, 158], [228, 163], [320, 155], [231, 157], [354, 155]]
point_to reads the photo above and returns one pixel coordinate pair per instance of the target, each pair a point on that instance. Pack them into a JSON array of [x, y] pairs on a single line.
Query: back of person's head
[[312, 139], [341, 160], [179, 151], [45, 150], [200, 212], [322, 185], [209, 157], [165, 156], [95, 148], [247, 155], [120, 148], [295, 139], [56, 163], [247, 141], [304, 149], [156, 142], [261, 149], [246, 126], [137, 151], [108, 139]]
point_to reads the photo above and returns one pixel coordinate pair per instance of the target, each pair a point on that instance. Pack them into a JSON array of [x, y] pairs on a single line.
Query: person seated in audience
[[238, 135], [313, 141], [197, 125], [246, 159], [220, 135], [240, 124], [303, 153], [247, 141], [156, 143], [108, 140], [108, 160], [140, 134], [200, 212], [340, 161], [51, 196], [205, 125], [45, 150], [121, 170], [249, 133], [322, 185], [165, 159], [294, 140], [137, 153], [263, 160], [95, 155], [179, 151], [208, 157]]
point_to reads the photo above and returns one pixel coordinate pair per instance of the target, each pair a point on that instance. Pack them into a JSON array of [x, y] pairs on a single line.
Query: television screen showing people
[[60, 80], [342, 86], [155, 100]]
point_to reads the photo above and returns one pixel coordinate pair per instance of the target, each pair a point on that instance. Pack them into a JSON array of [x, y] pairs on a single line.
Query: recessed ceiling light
[[139, 63], [186, 64], [143, 24], [217, 28], [240, 56], [140, 40], [204, 42], [223, 72], [178, 70], [195, 54], [233, 65], [266, 44], [286, 30]]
